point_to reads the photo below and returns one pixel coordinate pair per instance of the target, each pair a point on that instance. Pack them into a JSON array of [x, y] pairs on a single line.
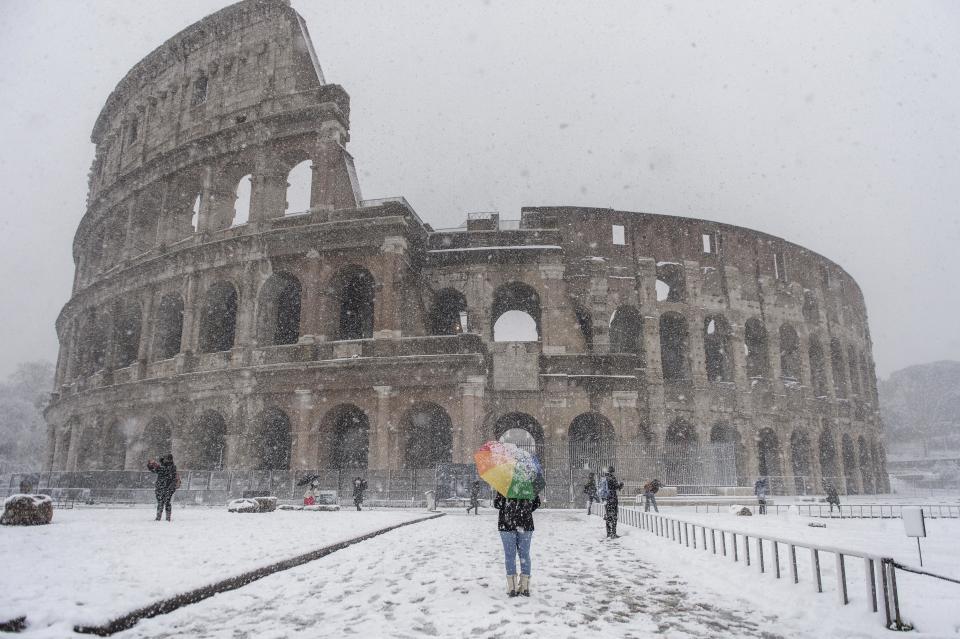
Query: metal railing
[[878, 573], [846, 511]]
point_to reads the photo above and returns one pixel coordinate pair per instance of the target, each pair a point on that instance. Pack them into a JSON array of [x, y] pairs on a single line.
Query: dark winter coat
[[166, 479], [613, 500], [515, 514], [359, 485], [652, 486], [474, 495], [832, 496], [590, 489]]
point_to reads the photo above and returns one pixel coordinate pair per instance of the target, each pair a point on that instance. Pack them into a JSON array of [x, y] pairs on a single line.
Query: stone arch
[[156, 440], [789, 353], [837, 368], [626, 331], [183, 204], [866, 466], [801, 462], [674, 347], [725, 433], [849, 458], [95, 341], [829, 462], [242, 199], [517, 299], [278, 310], [590, 440], [114, 446], [507, 428], [218, 319], [61, 449], [768, 456], [354, 290], [716, 347], [299, 183], [681, 463], [126, 332], [818, 371], [272, 446], [206, 442], [89, 455], [448, 315], [755, 346], [168, 327], [348, 437], [428, 431], [671, 283]]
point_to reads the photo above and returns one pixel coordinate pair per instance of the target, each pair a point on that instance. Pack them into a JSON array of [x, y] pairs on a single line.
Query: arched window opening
[[522, 431], [208, 442], [241, 207], [195, 213], [818, 370], [585, 325], [157, 440], [429, 436], [126, 333], [355, 292], [755, 345], [671, 284], [800, 461], [866, 466], [275, 441], [218, 320], [789, 353], [829, 469], [145, 221], [626, 331], [724, 433], [811, 310], [299, 182], [351, 443], [88, 449], [96, 342], [674, 347], [590, 441], [169, 327], [278, 319], [114, 446], [681, 459], [716, 347], [182, 208], [837, 367], [854, 373], [449, 313], [516, 300], [768, 457], [849, 464]]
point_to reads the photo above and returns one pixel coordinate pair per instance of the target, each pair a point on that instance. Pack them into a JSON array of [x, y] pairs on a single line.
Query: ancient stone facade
[[352, 334]]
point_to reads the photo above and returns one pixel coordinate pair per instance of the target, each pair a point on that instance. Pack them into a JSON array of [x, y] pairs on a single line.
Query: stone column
[[470, 431], [388, 302], [268, 197], [334, 182], [146, 329], [553, 305], [208, 201], [384, 447], [192, 311], [304, 445]]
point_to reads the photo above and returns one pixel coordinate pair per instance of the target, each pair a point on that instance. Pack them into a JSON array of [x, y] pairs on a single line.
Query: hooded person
[[590, 492], [515, 523], [612, 507], [167, 483]]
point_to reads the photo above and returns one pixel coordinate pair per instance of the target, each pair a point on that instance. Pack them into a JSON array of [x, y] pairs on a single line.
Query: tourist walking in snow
[[167, 483], [474, 498], [359, 486], [649, 494], [515, 523], [590, 491], [609, 485], [833, 498], [760, 490]]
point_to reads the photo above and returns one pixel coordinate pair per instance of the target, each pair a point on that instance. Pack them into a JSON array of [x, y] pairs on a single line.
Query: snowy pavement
[[94, 564], [445, 578]]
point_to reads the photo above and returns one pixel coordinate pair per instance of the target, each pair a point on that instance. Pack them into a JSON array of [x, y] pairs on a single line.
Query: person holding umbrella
[[516, 475]]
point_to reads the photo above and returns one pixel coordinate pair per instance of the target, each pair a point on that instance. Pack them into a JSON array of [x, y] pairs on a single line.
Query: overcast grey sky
[[833, 125]]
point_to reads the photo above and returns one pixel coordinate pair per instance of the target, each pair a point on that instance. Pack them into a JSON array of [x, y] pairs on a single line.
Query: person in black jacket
[[515, 523], [359, 486], [611, 512], [590, 492], [474, 498], [167, 483]]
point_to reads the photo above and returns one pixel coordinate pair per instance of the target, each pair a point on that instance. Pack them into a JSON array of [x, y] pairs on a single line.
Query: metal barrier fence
[[876, 571], [848, 511]]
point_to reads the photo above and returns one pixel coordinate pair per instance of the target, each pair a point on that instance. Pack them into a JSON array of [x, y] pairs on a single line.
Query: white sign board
[[913, 521]]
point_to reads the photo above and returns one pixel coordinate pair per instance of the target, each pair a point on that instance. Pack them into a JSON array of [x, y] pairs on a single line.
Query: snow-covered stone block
[[253, 505], [27, 510]]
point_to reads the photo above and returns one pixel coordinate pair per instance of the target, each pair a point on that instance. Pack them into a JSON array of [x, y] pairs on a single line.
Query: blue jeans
[[514, 543], [648, 499]]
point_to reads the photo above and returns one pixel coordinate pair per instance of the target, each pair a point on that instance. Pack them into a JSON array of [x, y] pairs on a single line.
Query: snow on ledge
[[521, 247]]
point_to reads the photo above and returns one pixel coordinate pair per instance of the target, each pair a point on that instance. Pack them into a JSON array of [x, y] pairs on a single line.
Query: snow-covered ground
[[92, 565], [444, 577]]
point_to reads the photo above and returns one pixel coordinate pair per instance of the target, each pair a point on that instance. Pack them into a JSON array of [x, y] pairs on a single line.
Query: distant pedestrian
[[359, 487], [168, 480], [590, 492], [310, 496], [611, 509], [649, 494], [515, 523], [474, 498], [760, 490], [833, 498]]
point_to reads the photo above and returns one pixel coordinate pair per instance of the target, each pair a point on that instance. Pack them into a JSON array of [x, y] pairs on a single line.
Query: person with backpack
[[609, 485], [474, 498], [515, 523], [359, 486], [649, 495], [590, 491], [168, 481]]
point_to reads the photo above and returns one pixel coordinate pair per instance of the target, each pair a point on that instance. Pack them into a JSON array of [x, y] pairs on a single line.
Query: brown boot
[[511, 586], [524, 588]]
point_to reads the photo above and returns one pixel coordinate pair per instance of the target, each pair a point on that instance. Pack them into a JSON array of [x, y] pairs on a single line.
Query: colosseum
[[218, 315]]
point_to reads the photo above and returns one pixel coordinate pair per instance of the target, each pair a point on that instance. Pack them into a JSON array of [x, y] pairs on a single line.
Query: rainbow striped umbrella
[[511, 471]]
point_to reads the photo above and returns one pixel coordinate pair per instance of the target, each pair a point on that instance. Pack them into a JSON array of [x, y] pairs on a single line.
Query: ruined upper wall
[[225, 70]]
